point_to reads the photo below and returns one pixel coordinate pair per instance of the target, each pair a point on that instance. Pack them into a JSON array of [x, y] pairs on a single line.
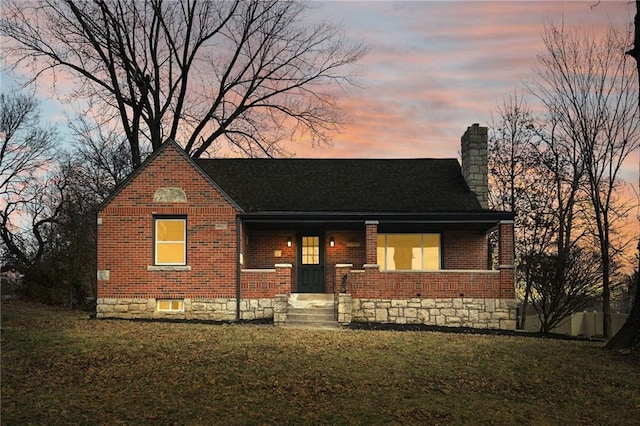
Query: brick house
[[373, 240]]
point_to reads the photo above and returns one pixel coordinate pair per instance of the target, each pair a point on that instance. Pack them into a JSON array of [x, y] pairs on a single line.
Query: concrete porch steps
[[312, 310]]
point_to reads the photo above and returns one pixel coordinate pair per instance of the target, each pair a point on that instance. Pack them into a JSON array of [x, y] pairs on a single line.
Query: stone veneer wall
[[462, 312], [465, 312], [219, 309]]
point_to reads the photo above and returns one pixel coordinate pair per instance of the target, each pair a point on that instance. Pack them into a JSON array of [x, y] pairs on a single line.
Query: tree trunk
[[525, 302], [523, 314], [606, 297], [628, 337]]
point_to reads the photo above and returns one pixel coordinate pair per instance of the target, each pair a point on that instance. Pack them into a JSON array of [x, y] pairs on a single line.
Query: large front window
[[170, 241], [408, 252]]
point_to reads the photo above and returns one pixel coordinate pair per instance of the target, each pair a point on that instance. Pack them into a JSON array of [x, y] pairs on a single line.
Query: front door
[[310, 264]]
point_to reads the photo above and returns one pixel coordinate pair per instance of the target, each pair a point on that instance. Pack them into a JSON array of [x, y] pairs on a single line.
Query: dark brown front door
[[310, 264]]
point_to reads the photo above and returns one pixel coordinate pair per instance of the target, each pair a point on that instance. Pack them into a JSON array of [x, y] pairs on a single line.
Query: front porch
[[469, 288]]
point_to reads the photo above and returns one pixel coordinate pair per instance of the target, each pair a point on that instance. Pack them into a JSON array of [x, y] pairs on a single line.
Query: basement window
[[408, 252], [170, 305]]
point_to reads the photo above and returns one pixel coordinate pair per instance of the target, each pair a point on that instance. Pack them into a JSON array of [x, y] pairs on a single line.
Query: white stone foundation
[[464, 312], [200, 309]]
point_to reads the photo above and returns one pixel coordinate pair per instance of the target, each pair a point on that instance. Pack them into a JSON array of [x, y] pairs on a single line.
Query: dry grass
[[59, 367]]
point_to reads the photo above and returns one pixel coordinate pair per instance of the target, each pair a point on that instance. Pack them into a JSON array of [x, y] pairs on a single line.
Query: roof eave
[[484, 216]]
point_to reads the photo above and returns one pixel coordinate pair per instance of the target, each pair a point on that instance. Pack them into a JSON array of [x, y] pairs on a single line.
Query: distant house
[[373, 240]]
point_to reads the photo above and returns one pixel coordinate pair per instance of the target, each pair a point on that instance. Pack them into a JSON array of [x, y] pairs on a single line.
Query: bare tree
[[252, 73], [518, 183], [585, 83], [100, 158], [49, 199], [563, 283], [510, 146], [30, 187]]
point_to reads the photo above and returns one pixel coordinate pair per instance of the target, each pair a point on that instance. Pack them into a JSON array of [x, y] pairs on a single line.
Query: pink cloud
[[437, 67]]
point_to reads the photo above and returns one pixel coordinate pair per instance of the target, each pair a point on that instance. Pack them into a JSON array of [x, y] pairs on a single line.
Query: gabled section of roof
[[343, 185], [168, 144]]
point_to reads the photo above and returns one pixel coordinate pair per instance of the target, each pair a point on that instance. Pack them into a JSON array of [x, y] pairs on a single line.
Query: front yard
[[59, 367]]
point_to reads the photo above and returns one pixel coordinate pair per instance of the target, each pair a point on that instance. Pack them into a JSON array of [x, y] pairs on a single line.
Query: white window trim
[[170, 303], [383, 262], [155, 241]]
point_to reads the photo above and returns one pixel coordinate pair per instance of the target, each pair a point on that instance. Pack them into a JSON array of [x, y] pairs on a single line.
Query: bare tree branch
[[249, 73], [587, 84]]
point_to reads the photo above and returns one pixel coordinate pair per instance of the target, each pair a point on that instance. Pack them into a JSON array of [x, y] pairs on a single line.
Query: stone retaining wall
[[201, 309], [463, 312], [345, 309], [280, 306]]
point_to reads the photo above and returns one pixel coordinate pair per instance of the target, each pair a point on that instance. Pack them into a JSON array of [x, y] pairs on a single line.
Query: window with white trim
[[170, 241], [170, 305], [408, 252]]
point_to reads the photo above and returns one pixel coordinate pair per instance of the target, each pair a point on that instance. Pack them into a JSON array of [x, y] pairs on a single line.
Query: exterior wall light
[[332, 242], [289, 242]]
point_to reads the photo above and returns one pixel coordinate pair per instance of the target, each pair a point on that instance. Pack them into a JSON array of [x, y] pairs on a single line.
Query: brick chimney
[[474, 162]]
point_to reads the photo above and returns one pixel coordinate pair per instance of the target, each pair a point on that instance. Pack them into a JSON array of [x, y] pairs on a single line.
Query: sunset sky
[[435, 68]]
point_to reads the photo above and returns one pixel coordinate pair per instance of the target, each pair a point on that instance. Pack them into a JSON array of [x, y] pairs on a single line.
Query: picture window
[[408, 252]]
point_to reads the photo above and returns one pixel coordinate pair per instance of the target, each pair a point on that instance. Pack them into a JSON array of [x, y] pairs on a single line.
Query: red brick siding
[[372, 242], [441, 284], [261, 247], [464, 249], [349, 247], [265, 284], [461, 249], [506, 244], [125, 237], [259, 254], [506, 256], [459, 252], [507, 280]]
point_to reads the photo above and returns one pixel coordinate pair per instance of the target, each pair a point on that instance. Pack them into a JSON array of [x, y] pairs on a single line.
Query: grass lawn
[[59, 367]]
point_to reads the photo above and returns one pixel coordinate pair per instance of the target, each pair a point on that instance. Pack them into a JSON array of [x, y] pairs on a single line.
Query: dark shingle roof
[[343, 185]]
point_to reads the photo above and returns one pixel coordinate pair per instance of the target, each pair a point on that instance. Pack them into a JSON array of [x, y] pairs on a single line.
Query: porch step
[[311, 300], [311, 310]]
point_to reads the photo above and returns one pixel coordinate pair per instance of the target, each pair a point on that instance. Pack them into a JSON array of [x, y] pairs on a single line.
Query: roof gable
[[168, 144], [343, 185]]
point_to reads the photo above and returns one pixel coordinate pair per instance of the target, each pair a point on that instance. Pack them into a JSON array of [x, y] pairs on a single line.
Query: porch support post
[[341, 274], [371, 254], [238, 266], [345, 306], [506, 259], [283, 290], [283, 278]]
